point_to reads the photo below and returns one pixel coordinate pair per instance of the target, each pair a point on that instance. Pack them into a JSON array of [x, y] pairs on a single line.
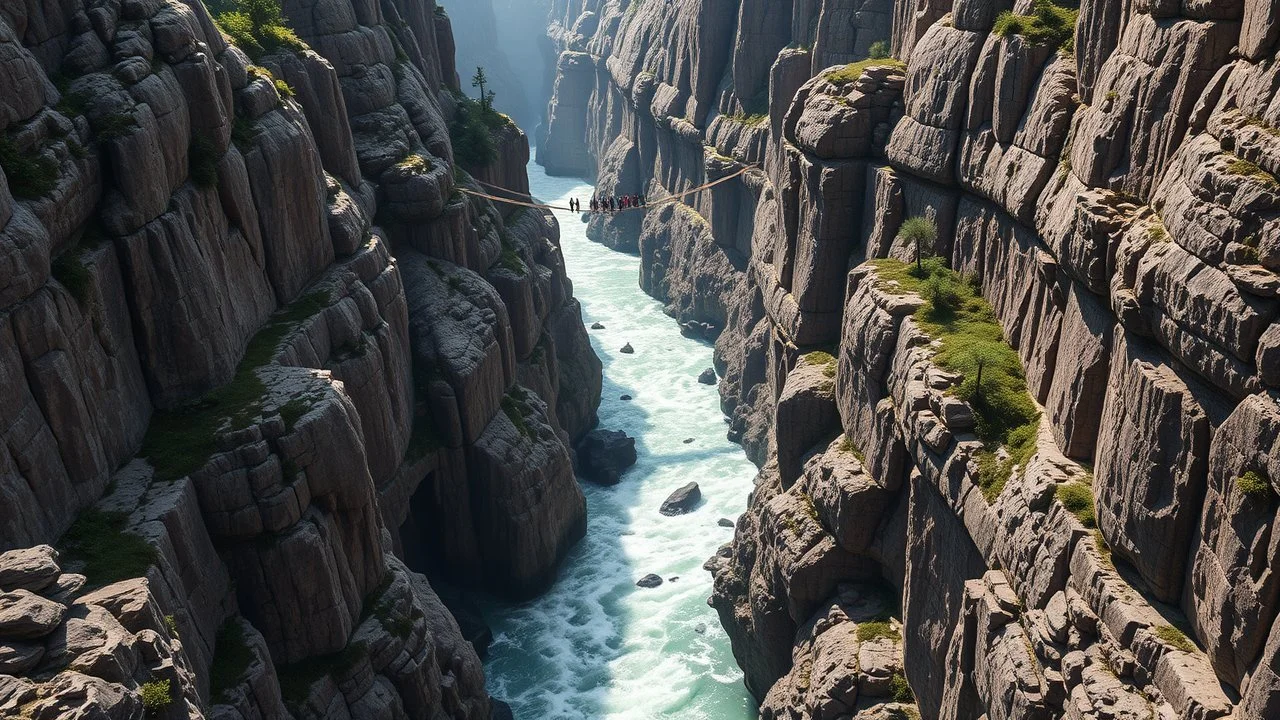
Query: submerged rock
[[725, 522], [597, 326], [649, 581], [681, 501], [604, 454]]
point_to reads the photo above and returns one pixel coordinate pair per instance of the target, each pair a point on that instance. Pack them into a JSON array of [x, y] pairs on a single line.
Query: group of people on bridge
[[610, 203]]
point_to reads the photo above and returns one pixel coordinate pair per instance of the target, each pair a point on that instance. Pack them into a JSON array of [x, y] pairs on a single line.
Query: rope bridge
[[543, 206]]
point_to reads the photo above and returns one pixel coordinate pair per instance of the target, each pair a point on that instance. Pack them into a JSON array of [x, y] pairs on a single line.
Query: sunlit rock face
[[1105, 176]]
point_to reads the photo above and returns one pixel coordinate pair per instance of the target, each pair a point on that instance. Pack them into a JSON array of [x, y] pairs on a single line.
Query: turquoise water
[[597, 646]]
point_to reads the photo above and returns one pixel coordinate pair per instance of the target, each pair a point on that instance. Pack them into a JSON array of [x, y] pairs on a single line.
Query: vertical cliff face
[[1085, 531], [263, 362]]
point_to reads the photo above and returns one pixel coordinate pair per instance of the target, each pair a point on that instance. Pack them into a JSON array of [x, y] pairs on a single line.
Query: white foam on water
[[595, 645]]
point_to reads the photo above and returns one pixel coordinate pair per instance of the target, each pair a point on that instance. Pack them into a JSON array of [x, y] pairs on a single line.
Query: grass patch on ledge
[[1244, 168], [31, 174], [750, 120], [258, 28], [296, 679], [1048, 24], [846, 445], [231, 660], [1077, 498], [515, 405], [1175, 637], [876, 629], [851, 72], [109, 553], [824, 360], [180, 441], [972, 344]]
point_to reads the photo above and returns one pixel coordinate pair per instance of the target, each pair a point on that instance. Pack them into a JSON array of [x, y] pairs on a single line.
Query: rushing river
[[595, 645]]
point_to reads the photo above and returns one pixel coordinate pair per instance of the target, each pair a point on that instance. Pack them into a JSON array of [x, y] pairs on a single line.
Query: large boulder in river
[[683, 500], [604, 454]]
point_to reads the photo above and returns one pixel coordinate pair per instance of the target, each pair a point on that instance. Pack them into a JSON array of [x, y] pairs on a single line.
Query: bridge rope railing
[[546, 206]]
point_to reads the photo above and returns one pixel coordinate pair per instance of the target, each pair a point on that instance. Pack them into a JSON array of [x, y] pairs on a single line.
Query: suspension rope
[[543, 206]]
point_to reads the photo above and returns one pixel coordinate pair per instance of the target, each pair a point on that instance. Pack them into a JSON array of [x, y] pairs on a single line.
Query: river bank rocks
[[263, 364], [1115, 213], [603, 455]]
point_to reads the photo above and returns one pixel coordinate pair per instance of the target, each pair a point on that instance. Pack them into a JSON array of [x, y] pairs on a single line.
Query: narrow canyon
[[697, 359]]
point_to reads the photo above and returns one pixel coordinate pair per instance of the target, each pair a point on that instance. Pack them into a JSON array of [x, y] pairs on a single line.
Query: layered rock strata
[[1110, 189], [263, 364]]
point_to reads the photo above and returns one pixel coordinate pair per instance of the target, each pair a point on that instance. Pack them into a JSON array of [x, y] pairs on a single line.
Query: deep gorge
[[992, 292]]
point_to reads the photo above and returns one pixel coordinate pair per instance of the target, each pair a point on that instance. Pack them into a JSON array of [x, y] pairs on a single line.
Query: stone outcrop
[[1113, 209], [263, 364]]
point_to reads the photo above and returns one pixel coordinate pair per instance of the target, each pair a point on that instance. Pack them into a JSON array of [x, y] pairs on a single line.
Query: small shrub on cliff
[[297, 679], [1175, 637], [69, 270], [108, 551], [116, 125], [31, 175], [156, 696], [879, 50], [202, 161], [1077, 499], [231, 660], [901, 689], [1255, 486], [1048, 24], [513, 405], [257, 27]]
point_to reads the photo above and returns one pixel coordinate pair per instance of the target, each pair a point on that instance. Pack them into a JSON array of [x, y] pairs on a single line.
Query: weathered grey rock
[[1226, 595], [707, 377], [682, 500], [25, 615], [31, 569], [1153, 442], [16, 658], [649, 581]]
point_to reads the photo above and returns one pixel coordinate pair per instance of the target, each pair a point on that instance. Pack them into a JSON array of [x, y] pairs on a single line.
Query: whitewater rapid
[[595, 645]]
